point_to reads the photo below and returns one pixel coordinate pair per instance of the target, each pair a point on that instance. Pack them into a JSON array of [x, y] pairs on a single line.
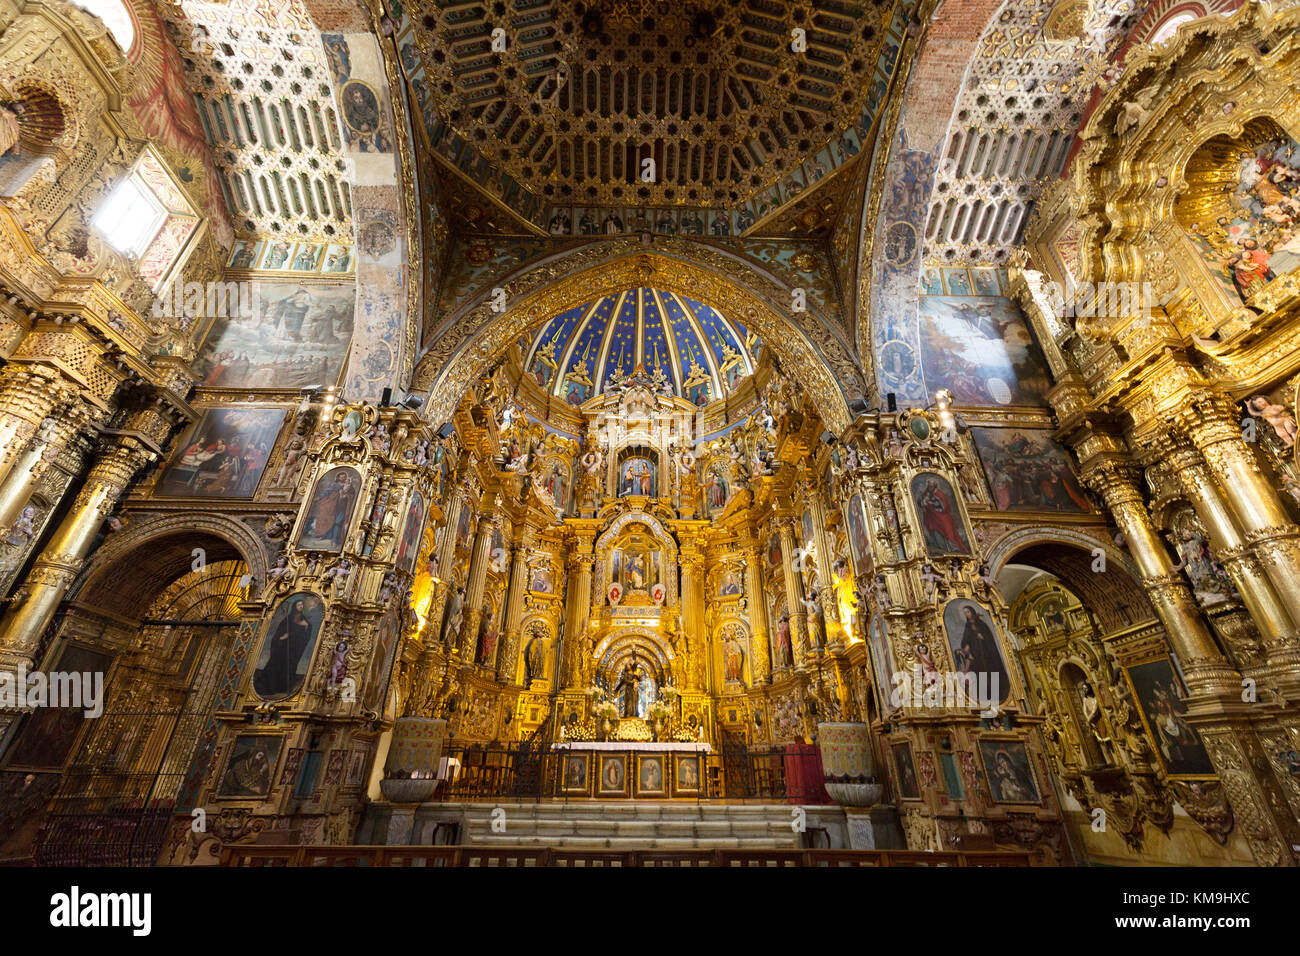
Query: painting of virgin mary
[[936, 506]]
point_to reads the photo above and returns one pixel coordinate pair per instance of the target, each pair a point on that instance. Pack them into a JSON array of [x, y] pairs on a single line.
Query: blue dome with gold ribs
[[703, 355]]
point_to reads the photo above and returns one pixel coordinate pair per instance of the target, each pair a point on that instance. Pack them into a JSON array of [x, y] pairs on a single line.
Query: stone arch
[[1068, 554], [164, 547], [467, 348]]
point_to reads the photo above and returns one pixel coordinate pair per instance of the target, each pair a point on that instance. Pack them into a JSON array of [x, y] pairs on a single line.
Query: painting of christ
[[858, 536], [637, 477], [1028, 471], [297, 335], [941, 522]]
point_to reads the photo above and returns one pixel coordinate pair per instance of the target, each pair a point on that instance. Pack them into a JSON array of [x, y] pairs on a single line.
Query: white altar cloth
[[667, 746]]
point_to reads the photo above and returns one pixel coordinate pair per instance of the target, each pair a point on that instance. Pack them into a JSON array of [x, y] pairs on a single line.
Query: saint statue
[[629, 686]]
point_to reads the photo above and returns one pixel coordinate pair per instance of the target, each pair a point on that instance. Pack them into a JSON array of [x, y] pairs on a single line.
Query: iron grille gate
[[116, 802]]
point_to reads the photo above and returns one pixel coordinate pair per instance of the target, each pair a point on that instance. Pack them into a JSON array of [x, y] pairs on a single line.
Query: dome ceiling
[[582, 94], [579, 353]]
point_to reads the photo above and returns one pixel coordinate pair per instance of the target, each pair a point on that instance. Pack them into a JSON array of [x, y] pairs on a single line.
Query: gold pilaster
[[478, 568], [760, 643], [1212, 423], [793, 593], [57, 567], [56, 431], [29, 392]]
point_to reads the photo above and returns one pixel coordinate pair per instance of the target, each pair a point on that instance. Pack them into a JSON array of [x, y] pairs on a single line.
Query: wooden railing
[[483, 856]]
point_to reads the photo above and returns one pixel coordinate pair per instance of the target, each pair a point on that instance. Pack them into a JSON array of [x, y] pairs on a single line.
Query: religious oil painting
[[1028, 471], [613, 775], [288, 646], [636, 476], [905, 771], [1163, 701], [575, 773], [980, 348], [651, 781], [411, 532], [224, 455], [858, 538], [251, 769], [687, 779], [941, 521], [1006, 765], [298, 335], [976, 653], [47, 735], [329, 511]]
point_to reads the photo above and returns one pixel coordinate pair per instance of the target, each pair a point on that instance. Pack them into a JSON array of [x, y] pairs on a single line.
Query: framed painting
[[48, 735], [1028, 471], [251, 768], [288, 646], [905, 771], [687, 775], [651, 781], [296, 335], [940, 516], [976, 652], [613, 776], [224, 455], [859, 540], [1010, 777], [328, 515], [1161, 698], [410, 546], [575, 774]]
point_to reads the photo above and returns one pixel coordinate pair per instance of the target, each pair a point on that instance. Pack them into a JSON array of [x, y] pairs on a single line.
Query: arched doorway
[[154, 626]]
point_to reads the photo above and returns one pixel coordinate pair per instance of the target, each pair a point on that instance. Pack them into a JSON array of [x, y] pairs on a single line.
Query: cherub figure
[[1276, 415]]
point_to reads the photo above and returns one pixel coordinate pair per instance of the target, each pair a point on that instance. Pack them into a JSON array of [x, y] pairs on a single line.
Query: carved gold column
[[691, 564], [1230, 547], [577, 609], [57, 567], [1216, 709], [55, 433], [441, 566], [28, 393], [478, 568], [793, 593], [1212, 423], [825, 556], [760, 643], [1169, 594], [508, 646]]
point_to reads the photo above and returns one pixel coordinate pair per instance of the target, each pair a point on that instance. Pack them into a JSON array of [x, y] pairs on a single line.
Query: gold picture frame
[[575, 774], [612, 781], [688, 782], [651, 778]]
